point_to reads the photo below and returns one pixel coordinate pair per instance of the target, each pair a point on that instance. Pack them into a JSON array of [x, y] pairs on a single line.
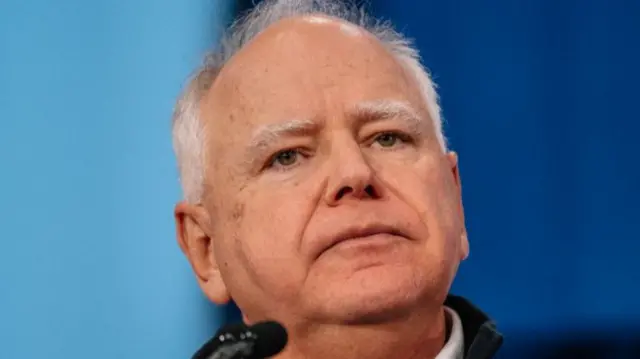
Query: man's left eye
[[389, 139]]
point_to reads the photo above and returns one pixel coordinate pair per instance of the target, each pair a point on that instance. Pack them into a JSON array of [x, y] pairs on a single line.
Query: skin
[[260, 234]]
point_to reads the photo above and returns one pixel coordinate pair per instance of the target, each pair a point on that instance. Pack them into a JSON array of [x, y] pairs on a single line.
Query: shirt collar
[[454, 346]]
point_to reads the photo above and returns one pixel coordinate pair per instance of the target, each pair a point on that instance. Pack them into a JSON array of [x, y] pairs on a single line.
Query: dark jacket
[[481, 339]]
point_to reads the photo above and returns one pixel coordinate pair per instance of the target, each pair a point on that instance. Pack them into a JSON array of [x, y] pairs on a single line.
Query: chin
[[372, 312], [374, 295]]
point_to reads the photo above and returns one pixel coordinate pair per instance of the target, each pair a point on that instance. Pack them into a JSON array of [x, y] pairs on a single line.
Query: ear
[[455, 172], [193, 230]]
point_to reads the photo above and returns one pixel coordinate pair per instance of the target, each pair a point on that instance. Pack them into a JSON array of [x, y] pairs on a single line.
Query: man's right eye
[[284, 159]]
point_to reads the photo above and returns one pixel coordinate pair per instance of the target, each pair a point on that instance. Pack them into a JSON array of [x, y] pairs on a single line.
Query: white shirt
[[454, 347]]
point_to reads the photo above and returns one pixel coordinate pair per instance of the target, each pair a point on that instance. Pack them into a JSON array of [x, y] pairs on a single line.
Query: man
[[319, 191]]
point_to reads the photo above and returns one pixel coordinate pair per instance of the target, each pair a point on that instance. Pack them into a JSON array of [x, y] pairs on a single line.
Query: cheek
[[434, 187], [417, 184], [425, 187], [268, 243]]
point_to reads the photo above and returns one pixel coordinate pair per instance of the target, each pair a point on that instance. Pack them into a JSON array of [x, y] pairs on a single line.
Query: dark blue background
[[540, 99]]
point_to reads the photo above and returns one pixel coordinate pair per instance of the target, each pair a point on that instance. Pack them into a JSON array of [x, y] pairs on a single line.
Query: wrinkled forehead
[[303, 67]]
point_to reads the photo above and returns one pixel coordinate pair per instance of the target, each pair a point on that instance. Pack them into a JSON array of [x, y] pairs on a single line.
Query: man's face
[[329, 197]]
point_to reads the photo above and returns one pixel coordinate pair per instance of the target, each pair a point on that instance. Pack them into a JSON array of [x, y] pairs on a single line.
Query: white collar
[[454, 347]]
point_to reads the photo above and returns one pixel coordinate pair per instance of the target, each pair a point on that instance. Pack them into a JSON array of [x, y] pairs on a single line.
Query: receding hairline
[[216, 96], [288, 25]]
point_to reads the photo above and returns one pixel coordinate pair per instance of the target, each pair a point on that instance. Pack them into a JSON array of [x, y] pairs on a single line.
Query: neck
[[420, 336]]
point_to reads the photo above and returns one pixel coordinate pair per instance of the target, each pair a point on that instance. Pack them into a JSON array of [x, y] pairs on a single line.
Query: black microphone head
[[270, 339]]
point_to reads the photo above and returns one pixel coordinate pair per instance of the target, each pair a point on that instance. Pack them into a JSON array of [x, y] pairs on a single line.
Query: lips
[[358, 232]]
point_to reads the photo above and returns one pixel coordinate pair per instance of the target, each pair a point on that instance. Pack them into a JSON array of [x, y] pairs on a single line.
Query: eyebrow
[[377, 110], [266, 135], [363, 113]]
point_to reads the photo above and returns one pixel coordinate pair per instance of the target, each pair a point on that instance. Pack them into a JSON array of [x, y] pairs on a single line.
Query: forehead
[[304, 67]]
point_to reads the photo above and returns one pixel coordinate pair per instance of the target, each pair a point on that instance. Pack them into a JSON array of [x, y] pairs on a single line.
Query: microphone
[[238, 341]]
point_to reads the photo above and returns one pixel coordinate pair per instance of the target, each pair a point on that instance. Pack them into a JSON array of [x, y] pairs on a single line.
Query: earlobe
[[193, 232], [464, 246], [215, 289]]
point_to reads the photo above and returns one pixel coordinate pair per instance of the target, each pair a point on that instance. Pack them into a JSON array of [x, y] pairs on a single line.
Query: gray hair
[[187, 128]]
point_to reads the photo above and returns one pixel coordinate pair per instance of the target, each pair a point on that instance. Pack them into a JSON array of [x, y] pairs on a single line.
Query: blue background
[[540, 99], [89, 265]]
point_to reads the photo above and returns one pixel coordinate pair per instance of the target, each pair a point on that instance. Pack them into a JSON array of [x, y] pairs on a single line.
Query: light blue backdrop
[[89, 267]]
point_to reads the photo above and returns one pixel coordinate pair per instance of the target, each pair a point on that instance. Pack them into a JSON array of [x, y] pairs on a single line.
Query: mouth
[[361, 233]]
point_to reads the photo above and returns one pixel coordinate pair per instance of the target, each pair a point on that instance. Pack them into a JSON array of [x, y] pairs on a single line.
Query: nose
[[352, 178]]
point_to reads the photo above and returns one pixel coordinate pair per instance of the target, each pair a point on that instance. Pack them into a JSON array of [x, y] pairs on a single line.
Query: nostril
[[343, 191], [370, 191]]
